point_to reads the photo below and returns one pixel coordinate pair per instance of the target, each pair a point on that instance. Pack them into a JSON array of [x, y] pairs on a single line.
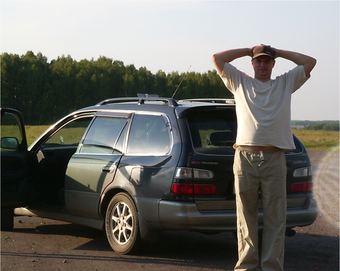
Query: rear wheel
[[121, 224]]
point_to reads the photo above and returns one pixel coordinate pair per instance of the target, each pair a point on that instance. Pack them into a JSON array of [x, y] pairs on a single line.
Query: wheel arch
[[146, 232], [107, 198]]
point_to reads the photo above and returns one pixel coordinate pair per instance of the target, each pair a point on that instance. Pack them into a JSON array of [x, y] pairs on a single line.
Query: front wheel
[[7, 219], [121, 224]]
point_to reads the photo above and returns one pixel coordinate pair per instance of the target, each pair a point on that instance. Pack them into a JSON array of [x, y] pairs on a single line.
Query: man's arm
[[299, 59], [227, 56]]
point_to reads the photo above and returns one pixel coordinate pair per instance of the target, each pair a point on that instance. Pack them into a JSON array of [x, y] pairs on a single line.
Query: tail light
[[302, 172], [191, 188], [299, 187], [193, 173]]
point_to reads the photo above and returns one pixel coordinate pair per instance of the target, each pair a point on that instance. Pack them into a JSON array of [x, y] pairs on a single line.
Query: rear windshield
[[213, 130]]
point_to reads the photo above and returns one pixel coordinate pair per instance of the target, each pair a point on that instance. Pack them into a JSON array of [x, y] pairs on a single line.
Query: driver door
[[14, 170]]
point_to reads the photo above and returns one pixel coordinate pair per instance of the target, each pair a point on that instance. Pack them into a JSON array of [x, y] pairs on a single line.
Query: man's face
[[263, 66]]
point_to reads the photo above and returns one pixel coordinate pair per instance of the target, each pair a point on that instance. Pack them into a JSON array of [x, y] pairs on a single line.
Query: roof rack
[[211, 100], [140, 100]]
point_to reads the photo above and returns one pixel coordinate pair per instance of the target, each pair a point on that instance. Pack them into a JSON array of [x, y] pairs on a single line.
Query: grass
[[313, 140], [320, 140], [33, 132]]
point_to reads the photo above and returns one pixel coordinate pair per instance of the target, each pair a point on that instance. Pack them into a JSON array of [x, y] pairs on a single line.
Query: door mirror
[[9, 143]]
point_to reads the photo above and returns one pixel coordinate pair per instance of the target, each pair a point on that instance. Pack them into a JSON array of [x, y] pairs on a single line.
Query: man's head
[[263, 62], [263, 50]]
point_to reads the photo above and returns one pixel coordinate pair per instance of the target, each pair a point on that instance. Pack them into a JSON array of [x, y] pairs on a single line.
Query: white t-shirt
[[263, 109]]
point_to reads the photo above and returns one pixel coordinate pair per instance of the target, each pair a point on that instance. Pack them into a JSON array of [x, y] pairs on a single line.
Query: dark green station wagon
[[135, 167]]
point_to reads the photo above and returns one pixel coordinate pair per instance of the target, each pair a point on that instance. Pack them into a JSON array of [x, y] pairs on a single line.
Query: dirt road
[[42, 244]]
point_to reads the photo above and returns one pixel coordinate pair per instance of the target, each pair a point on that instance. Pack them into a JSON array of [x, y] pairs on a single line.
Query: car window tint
[[102, 135], [70, 134], [149, 135], [10, 127], [212, 131]]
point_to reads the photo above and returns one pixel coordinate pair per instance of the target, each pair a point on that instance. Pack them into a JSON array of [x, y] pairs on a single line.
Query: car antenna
[[173, 95]]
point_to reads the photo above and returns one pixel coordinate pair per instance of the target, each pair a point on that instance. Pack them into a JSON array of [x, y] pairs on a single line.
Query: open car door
[[14, 155]]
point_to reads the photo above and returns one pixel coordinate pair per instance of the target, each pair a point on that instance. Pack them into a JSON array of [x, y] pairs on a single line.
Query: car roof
[[157, 104]]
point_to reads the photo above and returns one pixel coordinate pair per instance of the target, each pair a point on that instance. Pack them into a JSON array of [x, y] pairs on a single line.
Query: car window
[[11, 129], [213, 130], [149, 135], [70, 134], [102, 135], [119, 148]]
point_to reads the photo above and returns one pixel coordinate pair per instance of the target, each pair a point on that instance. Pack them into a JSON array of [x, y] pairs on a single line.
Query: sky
[[183, 35]]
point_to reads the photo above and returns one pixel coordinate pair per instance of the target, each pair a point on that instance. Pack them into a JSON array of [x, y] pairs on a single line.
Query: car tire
[[7, 219], [121, 224]]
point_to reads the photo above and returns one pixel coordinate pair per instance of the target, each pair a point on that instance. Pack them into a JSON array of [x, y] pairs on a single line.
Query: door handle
[[109, 169]]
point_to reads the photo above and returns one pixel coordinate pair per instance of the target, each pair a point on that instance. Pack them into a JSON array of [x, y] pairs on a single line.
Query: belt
[[257, 148]]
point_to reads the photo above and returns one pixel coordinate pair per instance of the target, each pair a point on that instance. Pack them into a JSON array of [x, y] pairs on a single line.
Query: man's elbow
[[314, 62], [218, 62], [310, 66], [214, 58]]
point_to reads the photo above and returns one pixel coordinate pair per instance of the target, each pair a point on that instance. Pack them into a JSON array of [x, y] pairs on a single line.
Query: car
[[135, 167]]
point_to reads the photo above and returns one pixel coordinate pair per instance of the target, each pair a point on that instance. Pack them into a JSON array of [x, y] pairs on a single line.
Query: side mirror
[[9, 143]]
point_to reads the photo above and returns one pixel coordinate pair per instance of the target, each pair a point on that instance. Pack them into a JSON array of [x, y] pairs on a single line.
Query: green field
[[318, 140], [33, 132], [313, 140]]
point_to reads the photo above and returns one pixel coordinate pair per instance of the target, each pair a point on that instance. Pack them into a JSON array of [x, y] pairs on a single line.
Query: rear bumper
[[302, 217], [185, 216]]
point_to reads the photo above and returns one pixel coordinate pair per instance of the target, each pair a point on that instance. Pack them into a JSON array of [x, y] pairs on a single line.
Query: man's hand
[[265, 50], [219, 59]]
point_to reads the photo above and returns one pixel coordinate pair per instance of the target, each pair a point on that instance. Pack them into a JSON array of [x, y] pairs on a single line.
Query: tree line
[[326, 125], [46, 91], [323, 126]]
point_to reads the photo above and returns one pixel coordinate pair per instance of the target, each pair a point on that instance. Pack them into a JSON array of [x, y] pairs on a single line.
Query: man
[[263, 109]]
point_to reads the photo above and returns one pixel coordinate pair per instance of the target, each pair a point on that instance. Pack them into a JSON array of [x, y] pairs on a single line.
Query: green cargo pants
[[260, 175]]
